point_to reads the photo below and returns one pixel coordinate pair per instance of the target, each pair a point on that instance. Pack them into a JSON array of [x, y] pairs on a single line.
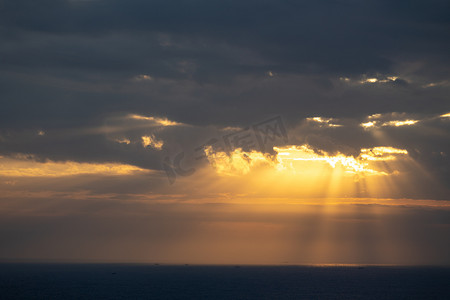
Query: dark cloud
[[68, 67]]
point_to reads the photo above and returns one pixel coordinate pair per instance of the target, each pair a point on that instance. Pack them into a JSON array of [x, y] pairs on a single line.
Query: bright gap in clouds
[[301, 172], [159, 121], [290, 158], [20, 167]]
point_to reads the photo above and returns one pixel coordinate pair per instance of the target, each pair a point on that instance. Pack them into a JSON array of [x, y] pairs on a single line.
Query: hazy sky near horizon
[[225, 131]]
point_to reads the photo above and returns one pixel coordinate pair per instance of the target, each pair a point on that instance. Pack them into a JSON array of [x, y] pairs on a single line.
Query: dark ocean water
[[120, 281]]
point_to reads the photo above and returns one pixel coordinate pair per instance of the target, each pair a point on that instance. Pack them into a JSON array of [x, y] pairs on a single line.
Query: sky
[[225, 132]]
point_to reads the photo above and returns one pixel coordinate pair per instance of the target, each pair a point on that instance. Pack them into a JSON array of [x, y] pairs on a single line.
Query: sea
[[159, 281]]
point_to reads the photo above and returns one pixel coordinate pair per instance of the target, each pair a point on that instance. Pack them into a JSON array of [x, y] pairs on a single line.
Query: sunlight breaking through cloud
[[159, 121], [239, 162], [152, 142], [326, 122], [398, 123], [11, 167], [388, 120]]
